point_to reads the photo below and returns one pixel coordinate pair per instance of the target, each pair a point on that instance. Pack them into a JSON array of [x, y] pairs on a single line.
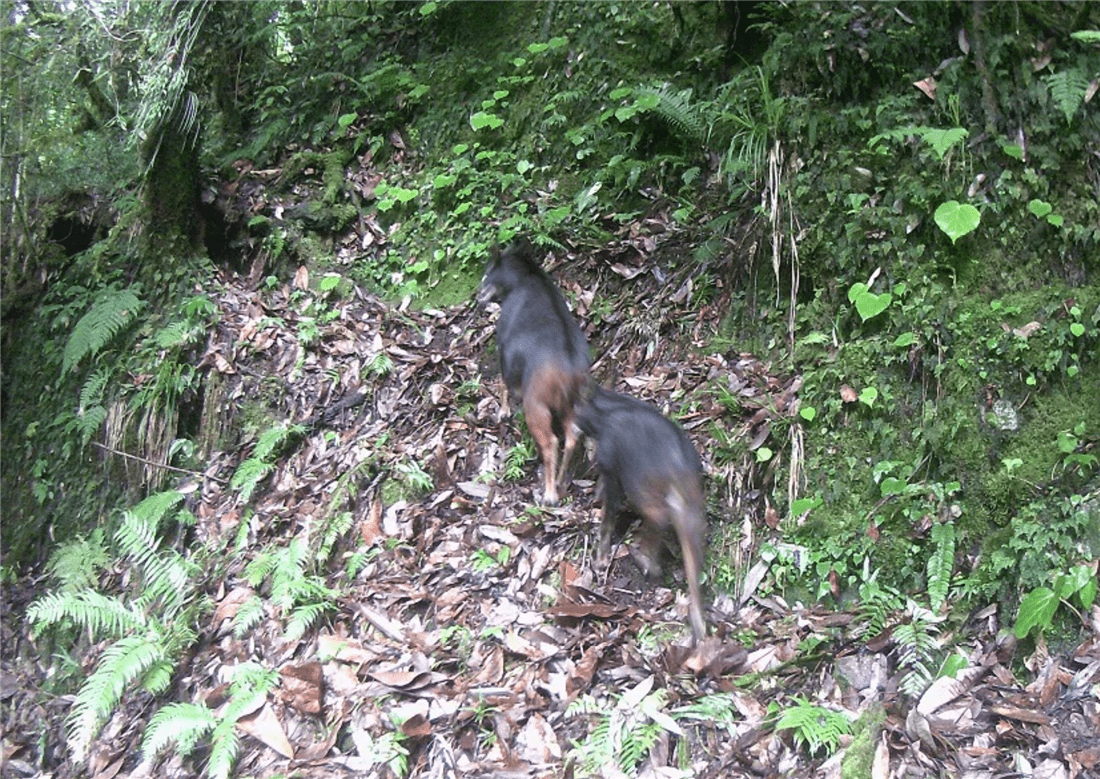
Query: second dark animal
[[646, 459], [543, 354]]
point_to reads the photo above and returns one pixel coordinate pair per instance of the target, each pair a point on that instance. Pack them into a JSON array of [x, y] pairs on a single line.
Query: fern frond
[[180, 723], [156, 506], [303, 618], [814, 726], [676, 110], [76, 564], [941, 563], [917, 641], [106, 318], [1067, 89], [249, 474], [91, 412], [168, 577], [100, 615], [223, 749], [248, 616], [273, 438], [123, 663]]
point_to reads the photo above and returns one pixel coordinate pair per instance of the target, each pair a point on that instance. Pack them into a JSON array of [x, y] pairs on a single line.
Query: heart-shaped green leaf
[[856, 290], [1039, 208], [1077, 329], [871, 305], [868, 397], [892, 486], [957, 219], [808, 413]]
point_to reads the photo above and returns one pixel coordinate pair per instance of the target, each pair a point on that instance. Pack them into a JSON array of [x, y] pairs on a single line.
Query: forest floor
[[478, 637]]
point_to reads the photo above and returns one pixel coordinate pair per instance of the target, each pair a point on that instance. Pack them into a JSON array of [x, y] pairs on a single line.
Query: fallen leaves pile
[[470, 633]]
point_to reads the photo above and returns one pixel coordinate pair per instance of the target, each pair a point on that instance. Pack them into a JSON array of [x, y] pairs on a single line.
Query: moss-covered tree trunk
[[171, 157]]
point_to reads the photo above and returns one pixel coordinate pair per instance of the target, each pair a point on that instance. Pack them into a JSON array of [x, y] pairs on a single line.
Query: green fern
[[941, 563], [1067, 89], [675, 109], [814, 727], [91, 412], [101, 615], [150, 626], [249, 474], [303, 596], [186, 724], [106, 318], [718, 709], [181, 723], [248, 616], [624, 735], [123, 663], [877, 603], [76, 564], [168, 577], [917, 641]]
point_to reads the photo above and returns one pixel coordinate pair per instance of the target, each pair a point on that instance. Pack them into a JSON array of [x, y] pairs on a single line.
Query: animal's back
[[536, 329]]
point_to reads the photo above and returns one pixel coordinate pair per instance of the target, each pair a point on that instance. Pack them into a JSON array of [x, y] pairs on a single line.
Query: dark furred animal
[[543, 354], [646, 459]]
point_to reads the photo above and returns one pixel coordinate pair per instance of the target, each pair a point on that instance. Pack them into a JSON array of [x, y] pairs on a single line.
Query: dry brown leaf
[[303, 687], [265, 727], [231, 603], [1027, 330], [927, 86]]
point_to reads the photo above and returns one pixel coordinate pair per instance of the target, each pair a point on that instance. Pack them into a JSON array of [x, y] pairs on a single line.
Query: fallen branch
[[166, 467]]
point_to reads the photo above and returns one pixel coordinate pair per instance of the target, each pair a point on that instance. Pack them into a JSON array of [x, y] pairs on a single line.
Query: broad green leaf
[[802, 505], [856, 290], [1014, 151], [1077, 329], [870, 305], [763, 454], [1036, 610], [808, 413], [942, 140], [868, 396], [952, 665], [483, 119], [1039, 208], [905, 339], [957, 219], [893, 486]]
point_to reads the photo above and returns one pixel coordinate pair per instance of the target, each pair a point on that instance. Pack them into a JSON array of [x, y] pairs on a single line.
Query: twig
[[159, 465]]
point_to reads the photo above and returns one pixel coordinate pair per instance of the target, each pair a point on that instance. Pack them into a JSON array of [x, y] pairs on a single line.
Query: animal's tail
[[685, 503]]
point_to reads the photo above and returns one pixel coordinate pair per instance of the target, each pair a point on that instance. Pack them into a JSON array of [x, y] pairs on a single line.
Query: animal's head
[[505, 270]]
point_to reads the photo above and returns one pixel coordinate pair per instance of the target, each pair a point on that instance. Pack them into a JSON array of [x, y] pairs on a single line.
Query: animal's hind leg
[[570, 436], [540, 423]]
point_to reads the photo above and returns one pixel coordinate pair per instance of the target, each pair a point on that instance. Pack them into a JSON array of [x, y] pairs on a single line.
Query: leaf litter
[[474, 636]]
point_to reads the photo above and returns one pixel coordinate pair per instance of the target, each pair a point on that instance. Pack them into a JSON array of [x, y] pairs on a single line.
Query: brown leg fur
[[540, 423]]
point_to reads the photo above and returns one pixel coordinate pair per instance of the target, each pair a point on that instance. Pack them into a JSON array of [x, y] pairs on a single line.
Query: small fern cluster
[[917, 639], [149, 627], [814, 727], [108, 316], [186, 724], [293, 590], [253, 470], [624, 735]]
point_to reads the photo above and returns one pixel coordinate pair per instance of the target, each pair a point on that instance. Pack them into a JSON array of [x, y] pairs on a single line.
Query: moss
[[857, 760], [455, 287]]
